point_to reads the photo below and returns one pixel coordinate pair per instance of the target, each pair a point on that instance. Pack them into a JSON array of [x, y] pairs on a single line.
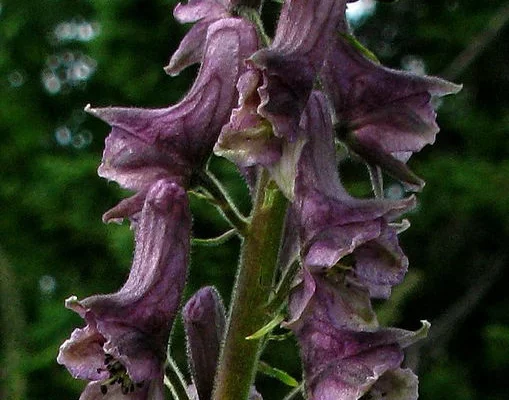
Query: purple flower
[[384, 115], [146, 145], [333, 224], [344, 351], [204, 323], [124, 341], [291, 63]]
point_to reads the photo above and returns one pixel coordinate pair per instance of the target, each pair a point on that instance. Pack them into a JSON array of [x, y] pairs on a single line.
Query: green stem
[[174, 380], [258, 262], [219, 197]]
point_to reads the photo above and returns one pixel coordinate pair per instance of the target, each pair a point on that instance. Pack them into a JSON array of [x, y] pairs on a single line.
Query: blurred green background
[[58, 55]]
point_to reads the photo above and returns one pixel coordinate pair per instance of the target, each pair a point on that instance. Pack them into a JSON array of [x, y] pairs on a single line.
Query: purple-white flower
[[122, 348], [149, 144], [384, 115]]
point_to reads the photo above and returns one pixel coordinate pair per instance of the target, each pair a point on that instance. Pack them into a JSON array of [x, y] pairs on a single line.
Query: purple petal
[[247, 139], [190, 50], [204, 323], [380, 264], [351, 378], [387, 110], [332, 224], [132, 326], [196, 10]]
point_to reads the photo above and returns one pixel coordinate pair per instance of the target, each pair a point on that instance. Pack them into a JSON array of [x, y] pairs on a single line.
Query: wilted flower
[[149, 144], [384, 115], [124, 341]]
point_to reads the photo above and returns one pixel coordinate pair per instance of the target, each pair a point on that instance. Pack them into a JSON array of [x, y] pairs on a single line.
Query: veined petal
[[332, 223], [381, 109], [127, 332], [191, 48]]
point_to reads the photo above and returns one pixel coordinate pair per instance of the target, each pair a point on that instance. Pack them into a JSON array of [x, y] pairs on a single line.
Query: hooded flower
[[149, 144], [384, 115], [345, 353], [291, 63], [122, 348], [332, 224]]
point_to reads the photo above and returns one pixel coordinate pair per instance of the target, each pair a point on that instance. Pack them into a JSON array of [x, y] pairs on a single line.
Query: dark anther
[[139, 384], [125, 390], [104, 389], [107, 358]]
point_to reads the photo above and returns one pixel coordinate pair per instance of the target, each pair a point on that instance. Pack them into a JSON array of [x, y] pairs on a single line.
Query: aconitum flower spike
[[291, 63], [204, 323], [149, 144], [384, 115], [124, 341]]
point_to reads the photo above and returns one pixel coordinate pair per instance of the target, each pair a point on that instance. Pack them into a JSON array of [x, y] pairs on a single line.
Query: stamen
[[118, 375]]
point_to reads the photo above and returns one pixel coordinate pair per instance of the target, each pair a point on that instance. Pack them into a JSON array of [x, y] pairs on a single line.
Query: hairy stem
[[220, 198], [239, 358]]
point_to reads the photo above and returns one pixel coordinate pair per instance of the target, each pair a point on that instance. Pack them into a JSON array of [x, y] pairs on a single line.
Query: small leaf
[[278, 374], [267, 328], [214, 241]]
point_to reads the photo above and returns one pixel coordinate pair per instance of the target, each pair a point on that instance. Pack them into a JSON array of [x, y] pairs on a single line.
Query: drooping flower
[[345, 353], [384, 115], [149, 144], [333, 224], [124, 341]]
